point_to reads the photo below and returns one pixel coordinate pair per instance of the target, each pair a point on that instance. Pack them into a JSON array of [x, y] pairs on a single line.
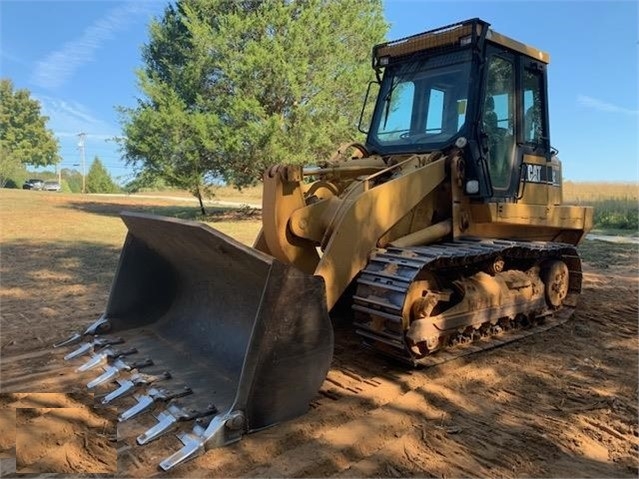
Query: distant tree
[[98, 179], [24, 137], [12, 172], [145, 181], [73, 179], [233, 86], [64, 186]]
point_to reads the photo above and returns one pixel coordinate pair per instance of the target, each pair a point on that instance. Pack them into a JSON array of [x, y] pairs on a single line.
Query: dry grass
[[251, 195], [616, 204], [595, 191], [56, 217]]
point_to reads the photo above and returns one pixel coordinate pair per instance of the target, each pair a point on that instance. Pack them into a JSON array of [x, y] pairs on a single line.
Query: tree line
[[26, 141], [229, 87], [97, 180]]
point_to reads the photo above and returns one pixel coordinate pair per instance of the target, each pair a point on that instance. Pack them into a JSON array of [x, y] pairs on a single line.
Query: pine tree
[[98, 179], [232, 86]]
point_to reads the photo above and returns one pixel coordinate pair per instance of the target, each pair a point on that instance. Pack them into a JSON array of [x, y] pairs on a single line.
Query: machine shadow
[[51, 288]]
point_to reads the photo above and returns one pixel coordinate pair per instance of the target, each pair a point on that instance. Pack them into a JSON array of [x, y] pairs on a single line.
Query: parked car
[[51, 186], [33, 184]]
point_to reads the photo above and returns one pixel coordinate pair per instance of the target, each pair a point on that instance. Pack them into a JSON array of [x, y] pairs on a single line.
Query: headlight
[[472, 187]]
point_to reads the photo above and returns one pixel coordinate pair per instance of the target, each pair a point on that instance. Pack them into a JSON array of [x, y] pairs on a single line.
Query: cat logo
[[533, 174], [545, 175]]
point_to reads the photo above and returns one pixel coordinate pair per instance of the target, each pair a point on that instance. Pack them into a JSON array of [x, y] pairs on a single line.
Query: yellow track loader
[[446, 226]]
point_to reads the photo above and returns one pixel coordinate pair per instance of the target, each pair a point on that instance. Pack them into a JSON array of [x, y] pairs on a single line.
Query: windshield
[[422, 103]]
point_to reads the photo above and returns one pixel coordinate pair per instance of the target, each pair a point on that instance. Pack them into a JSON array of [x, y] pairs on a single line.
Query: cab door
[[540, 177], [499, 121]]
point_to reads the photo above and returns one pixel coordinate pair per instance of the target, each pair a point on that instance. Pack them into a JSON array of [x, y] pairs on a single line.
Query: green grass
[[616, 214]]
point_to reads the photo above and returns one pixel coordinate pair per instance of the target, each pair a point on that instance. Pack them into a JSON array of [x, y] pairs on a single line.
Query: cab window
[[435, 112], [498, 120], [534, 121], [398, 117]]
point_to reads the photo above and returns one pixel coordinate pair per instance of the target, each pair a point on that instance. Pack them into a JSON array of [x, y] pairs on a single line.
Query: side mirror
[[544, 144], [366, 115]]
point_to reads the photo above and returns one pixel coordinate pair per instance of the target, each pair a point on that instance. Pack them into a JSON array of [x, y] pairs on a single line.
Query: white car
[[51, 186]]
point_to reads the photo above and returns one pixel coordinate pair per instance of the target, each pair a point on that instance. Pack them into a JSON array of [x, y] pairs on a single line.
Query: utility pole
[[82, 135]]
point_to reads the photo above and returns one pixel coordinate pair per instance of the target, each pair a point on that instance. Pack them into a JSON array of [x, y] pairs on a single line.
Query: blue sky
[[78, 58]]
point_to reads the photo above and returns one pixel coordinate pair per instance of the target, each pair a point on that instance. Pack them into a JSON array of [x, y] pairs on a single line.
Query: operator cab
[[468, 86]]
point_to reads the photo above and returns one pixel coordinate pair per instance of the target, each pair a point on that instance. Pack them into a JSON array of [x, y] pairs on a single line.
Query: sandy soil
[[61, 433], [562, 403], [7, 432]]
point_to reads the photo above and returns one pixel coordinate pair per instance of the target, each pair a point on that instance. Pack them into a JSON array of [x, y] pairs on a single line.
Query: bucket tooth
[[100, 325], [95, 361], [81, 351], [111, 372], [223, 429], [145, 401], [96, 344], [153, 395], [105, 356], [73, 339], [127, 385], [193, 446], [167, 420]]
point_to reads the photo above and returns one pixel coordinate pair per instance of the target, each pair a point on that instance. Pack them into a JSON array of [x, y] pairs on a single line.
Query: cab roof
[[450, 37]]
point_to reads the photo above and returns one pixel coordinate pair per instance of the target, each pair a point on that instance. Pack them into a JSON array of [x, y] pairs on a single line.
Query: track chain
[[391, 271]]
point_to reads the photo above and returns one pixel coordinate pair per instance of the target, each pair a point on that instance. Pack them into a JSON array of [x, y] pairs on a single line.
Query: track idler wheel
[[555, 276]]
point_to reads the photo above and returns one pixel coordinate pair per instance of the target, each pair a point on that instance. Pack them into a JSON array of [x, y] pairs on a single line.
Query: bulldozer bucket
[[202, 328]]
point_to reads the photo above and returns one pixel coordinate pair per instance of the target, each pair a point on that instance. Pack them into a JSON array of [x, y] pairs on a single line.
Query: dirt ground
[[7, 433], [562, 403], [60, 433]]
